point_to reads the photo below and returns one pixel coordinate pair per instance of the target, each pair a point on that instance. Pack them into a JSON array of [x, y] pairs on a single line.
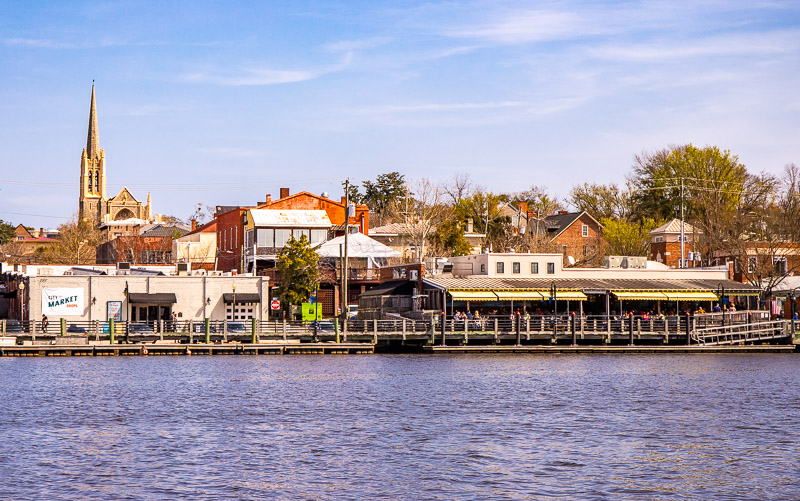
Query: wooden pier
[[755, 348], [146, 349]]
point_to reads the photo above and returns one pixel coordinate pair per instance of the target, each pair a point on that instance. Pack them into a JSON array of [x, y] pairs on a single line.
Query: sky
[[220, 103]]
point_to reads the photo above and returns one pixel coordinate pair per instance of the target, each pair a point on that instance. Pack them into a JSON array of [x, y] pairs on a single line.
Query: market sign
[[62, 301]]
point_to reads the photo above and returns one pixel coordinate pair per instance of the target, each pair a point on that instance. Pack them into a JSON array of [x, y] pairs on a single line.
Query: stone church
[[117, 215]]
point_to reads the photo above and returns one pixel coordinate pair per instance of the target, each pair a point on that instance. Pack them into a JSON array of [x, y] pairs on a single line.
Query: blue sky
[[222, 102]]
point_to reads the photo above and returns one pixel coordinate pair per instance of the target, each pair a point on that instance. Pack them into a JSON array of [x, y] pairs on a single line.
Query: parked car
[[13, 326], [76, 329], [200, 327], [352, 311], [236, 328], [139, 328], [322, 326]]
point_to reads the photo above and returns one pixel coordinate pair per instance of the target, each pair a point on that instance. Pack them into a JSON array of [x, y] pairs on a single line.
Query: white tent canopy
[[358, 245]]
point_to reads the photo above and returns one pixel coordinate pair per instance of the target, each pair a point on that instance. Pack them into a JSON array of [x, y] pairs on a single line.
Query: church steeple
[[92, 141]]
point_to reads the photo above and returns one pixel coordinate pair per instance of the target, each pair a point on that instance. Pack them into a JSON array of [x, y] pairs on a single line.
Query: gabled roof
[[165, 230], [290, 218], [390, 229], [266, 205], [209, 227], [124, 193], [673, 226], [556, 224]]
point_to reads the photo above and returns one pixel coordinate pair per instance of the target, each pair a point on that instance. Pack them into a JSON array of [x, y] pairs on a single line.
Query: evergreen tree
[[298, 264]]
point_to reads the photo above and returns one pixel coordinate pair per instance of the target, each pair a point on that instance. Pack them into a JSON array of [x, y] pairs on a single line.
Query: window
[[318, 236], [534, 268], [483, 268], [658, 239], [752, 264], [501, 267], [585, 230], [551, 268], [248, 238], [97, 181], [281, 237], [779, 265], [265, 237], [298, 233], [514, 267]]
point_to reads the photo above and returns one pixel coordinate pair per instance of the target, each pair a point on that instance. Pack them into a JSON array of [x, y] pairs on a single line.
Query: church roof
[[92, 138], [124, 194]]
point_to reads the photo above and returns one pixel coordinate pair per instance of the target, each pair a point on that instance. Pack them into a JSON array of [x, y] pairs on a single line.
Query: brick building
[[665, 243]]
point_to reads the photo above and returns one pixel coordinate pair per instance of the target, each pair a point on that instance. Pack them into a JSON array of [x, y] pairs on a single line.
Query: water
[[401, 427]]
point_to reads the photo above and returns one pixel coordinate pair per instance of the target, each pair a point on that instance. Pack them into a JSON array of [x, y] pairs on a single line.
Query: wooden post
[[207, 327], [688, 330], [254, 329], [574, 336], [63, 327], [111, 329]]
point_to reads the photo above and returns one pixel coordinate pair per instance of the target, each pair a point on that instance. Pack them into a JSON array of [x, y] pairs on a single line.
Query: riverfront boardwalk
[[760, 348], [145, 349]]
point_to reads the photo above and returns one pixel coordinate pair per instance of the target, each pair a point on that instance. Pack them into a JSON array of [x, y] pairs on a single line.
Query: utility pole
[[344, 260], [683, 235]]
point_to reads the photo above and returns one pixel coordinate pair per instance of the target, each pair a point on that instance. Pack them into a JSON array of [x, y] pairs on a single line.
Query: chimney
[[563, 212], [469, 225], [269, 199], [284, 192], [523, 208], [41, 232], [194, 224]]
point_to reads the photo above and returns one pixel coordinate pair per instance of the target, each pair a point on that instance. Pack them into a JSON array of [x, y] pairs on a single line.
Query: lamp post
[[78, 252], [721, 295], [553, 292], [792, 298], [233, 308]]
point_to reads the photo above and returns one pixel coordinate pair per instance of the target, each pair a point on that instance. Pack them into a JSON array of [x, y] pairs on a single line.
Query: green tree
[[6, 232], [485, 210], [448, 239], [627, 238], [385, 192], [602, 200], [299, 267]]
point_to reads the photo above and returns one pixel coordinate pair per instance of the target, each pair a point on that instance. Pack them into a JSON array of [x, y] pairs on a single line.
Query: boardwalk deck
[[143, 349]]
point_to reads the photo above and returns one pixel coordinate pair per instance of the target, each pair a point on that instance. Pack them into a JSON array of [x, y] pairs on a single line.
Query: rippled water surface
[[401, 427]]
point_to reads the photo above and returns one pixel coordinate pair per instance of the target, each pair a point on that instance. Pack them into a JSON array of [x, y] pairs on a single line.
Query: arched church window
[[90, 182], [97, 181]]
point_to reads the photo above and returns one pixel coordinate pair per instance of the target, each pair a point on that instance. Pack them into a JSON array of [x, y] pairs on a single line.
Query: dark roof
[[589, 284], [142, 271], [388, 288], [164, 230], [242, 297], [86, 271], [154, 298]]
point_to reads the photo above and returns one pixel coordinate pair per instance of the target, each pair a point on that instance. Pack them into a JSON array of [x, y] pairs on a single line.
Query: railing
[[705, 329], [742, 333]]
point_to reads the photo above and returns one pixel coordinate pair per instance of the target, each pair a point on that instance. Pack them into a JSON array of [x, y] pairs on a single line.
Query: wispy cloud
[[733, 45], [438, 107], [39, 43], [264, 76], [524, 26], [356, 45]]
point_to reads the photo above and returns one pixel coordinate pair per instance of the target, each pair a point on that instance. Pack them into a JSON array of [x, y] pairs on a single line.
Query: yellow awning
[[473, 295], [640, 296], [519, 295], [691, 296], [567, 295]]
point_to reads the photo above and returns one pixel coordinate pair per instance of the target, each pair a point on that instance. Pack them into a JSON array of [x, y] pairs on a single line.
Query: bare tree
[[420, 211], [460, 187], [77, 243]]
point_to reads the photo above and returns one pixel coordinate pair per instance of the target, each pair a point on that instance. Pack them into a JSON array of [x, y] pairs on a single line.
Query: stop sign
[[275, 304]]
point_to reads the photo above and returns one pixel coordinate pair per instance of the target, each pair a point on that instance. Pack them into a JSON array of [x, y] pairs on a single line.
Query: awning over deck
[[567, 295], [473, 295], [640, 296], [691, 296], [520, 295]]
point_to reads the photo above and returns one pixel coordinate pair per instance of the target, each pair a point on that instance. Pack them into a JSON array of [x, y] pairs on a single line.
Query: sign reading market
[[62, 301]]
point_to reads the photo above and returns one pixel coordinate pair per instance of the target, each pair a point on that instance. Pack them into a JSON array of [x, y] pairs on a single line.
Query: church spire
[[92, 141]]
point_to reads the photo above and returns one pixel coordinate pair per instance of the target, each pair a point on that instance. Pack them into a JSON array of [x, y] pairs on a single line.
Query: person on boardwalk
[[44, 322]]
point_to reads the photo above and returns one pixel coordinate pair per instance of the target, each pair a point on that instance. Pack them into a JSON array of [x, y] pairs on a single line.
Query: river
[[401, 427]]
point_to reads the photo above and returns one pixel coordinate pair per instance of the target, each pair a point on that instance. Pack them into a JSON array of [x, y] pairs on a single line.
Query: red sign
[[275, 304]]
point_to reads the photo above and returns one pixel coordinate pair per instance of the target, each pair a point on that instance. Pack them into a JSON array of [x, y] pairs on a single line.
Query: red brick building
[[230, 222], [665, 244]]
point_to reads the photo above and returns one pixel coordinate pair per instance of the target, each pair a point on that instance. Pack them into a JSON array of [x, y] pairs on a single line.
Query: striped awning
[[519, 295], [691, 296], [473, 295], [640, 296]]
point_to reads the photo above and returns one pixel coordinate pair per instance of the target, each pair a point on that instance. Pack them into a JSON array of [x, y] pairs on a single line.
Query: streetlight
[[555, 308], [233, 314], [792, 298], [721, 295]]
